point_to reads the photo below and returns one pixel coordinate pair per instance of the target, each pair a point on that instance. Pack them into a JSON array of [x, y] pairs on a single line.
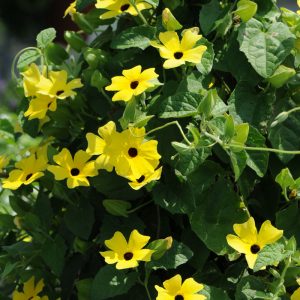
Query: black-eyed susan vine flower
[[178, 52], [298, 11], [71, 9], [44, 91], [57, 85], [249, 242], [128, 152], [137, 156], [39, 106], [27, 170], [137, 183], [296, 294], [127, 254], [117, 7], [133, 83], [74, 170], [175, 289], [30, 291], [106, 145]]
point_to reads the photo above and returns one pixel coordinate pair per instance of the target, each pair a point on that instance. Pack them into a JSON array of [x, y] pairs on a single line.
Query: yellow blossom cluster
[[44, 88]]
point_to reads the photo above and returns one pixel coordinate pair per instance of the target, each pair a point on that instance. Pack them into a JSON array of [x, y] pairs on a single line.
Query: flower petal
[[190, 286], [173, 285], [137, 241], [246, 231], [117, 243], [237, 244], [268, 234]]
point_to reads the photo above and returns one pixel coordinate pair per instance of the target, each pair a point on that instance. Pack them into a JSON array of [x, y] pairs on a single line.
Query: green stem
[[168, 124], [147, 275], [263, 149], [106, 97], [132, 2], [139, 207]]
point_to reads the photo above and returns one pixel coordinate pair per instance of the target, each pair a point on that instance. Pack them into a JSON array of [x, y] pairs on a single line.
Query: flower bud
[[169, 21], [280, 118]]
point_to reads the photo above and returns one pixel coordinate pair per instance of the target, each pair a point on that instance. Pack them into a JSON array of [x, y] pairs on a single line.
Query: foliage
[[210, 119]]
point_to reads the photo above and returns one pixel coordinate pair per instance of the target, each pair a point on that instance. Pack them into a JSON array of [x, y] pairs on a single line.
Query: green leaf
[[257, 160], [154, 3], [27, 58], [239, 162], [169, 21], [84, 288], [247, 106], [285, 179], [246, 9], [180, 105], [53, 253], [177, 255], [213, 293], [82, 4], [265, 48], [289, 221], [190, 157], [281, 76], [209, 14], [134, 37], [110, 282], [249, 287], [271, 255], [117, 207], [286, 136], [229, 128], [215, 215], [80, 219], [207, 60], [45, 37], [209, 102]]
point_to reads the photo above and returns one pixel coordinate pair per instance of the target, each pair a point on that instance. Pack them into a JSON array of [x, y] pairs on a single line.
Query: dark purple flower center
[[132, 152], [124, 7], [28, 176], [254, 249], [128, 255], [178, 55], [75, 172]]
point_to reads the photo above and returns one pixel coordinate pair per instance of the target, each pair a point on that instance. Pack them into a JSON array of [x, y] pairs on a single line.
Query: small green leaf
[[117, 207], [285, 179], [229, 128], [281, 76], [246, 9], [154, 3], [207, 60], [45, 37], [28, 57], [177, 255]]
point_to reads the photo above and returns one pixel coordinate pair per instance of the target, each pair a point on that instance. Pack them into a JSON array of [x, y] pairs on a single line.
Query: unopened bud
[[280, 118], [169, 21]]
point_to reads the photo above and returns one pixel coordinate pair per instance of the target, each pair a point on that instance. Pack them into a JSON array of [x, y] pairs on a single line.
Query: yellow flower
[[57, 86], [137, 183], [133, 82], [174, 289], [117, 7], [32, 77], [107, 145], [71, 9], [178, 52], [249, 242], [298, 11], [137, 156], [74, 170], [39, 106], [27, 170], [296, 294], [127, 255], [30, 291], [4, 160]]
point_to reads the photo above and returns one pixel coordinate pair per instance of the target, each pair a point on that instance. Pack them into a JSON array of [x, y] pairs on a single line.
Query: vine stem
[[139, 207], [282, 278], [132, 2], [169, 124], [219, 141]]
